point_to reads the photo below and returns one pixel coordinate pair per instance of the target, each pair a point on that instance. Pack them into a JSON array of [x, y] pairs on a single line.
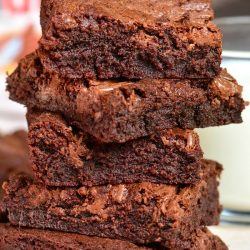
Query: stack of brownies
[[114, 92]]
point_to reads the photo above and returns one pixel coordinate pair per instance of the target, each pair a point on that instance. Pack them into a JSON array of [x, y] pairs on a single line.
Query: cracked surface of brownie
[[114, 111]]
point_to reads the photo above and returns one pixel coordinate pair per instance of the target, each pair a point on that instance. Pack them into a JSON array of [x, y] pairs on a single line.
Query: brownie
[[33, 239], [141, 213], [105, 39], [115, 111], [14, 155], [64, 156]]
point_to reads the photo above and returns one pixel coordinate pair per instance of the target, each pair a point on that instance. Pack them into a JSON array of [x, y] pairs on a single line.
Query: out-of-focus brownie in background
[[14, 156]]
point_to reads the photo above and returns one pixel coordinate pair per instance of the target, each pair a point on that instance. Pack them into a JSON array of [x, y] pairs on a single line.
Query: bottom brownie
[[141, 213], [33, 239]]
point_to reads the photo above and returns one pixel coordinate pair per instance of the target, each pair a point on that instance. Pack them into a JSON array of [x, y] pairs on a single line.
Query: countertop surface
[[236, 237]]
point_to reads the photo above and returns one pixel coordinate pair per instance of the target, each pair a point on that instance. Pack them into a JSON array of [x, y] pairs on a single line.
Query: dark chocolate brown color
[[64, 156], [127, 39], [140, 213], [121, 111], [12, 238]]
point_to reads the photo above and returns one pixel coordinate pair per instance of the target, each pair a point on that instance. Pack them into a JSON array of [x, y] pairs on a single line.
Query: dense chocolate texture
[[64, 156], [33, 239], [140, 213], [105, 39], [14, 156], [122, 111]]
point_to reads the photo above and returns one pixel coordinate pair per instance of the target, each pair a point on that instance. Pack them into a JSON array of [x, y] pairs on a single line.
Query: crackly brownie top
[[146, 12]]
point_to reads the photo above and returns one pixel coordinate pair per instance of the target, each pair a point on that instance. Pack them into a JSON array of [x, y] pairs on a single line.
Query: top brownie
[[130, 39]]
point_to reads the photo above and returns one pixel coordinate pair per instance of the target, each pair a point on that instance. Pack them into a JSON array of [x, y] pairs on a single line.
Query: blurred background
[[230, 145], [231, 7], [19, 33]]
